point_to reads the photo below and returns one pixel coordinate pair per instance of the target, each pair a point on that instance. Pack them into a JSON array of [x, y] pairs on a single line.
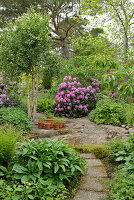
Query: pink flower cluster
[[95, 84], [112, 94], [72, 100]]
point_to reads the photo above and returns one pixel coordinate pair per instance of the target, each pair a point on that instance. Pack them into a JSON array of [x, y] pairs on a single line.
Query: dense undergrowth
[[122, 184], [17, 117], [40, 170]]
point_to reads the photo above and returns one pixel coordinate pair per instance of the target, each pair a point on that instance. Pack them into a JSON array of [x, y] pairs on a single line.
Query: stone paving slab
[[87, 155], [89, 195], [93, 184], [96, 172], [93, 162]]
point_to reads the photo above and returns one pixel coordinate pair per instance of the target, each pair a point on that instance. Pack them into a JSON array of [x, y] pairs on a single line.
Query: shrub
[[16, 117], [51, 159], [73, 100], [40, 190], [42, 169], [9, 93], [120, 150], [9, 135], [123, 182], [108, 112], [122, 186], [129, 108], [45, 105]]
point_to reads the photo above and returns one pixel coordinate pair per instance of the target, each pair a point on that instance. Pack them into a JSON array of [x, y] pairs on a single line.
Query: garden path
[[82, 131], [92, 184]]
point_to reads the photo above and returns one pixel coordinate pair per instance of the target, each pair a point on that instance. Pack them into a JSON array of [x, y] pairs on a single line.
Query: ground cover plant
[[122, 152], [17, 117], [72, 100], [41, 170], [108, 111]]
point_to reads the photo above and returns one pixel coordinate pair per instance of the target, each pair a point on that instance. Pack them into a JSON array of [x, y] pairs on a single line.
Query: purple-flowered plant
[[72, 100], [8, 97]]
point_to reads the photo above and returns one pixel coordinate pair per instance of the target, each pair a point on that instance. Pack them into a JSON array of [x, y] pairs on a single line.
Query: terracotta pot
[[40, 124], [61, 124], [47, 126], [56, 126], [50, 121]]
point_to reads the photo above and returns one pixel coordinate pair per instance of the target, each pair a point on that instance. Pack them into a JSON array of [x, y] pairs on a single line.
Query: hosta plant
[[41, 170]]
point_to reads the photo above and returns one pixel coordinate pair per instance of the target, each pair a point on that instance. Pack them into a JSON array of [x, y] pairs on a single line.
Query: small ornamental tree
[[23, 48], [74, 101]]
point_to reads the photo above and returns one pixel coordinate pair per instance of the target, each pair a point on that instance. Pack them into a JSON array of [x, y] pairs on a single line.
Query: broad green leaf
[[56, 168], [30, 196]]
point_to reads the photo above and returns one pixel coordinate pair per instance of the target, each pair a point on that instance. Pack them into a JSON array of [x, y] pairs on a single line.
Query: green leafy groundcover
[[41, 170], [108, 111], [122, 185], [17, 117]]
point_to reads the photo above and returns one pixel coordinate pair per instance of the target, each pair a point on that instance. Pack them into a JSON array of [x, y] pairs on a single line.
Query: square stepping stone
[[82, 195], [96, 172], [93, 162], [87, 155], [92, 184]]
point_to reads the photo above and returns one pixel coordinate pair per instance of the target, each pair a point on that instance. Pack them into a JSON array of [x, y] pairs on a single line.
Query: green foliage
[[123, 182], [108, 112], [16, 117], [25, 43], [120, 80], [57, 121], [129, 108], [41, 119], [49, 115], [41, 170], [45, 105], [87, 67], [51, 159], [87, 45], [41, 190], [122, 186], [9, 135], [119, 150]]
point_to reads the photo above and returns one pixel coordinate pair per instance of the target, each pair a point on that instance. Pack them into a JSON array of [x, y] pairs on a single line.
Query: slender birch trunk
[[33, 94], [28, 98], [36, 94]]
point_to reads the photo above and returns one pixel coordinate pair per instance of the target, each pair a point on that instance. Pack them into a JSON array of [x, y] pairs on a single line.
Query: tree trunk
[[33, 94], [28, 98], [125, 48], [65, 49], [36, 95]]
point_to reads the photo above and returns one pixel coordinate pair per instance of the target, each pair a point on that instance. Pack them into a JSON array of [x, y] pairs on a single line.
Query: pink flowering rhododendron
[[72, 100]]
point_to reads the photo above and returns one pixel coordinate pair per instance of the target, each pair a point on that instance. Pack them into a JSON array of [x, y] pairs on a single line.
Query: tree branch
[[109, 1]]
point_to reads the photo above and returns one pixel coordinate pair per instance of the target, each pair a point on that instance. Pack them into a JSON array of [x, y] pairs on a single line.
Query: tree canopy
[[24, 46]]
